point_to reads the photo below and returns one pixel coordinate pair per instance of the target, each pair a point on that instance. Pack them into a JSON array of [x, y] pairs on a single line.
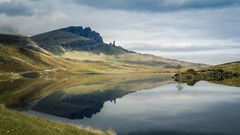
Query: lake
[[130, 104]]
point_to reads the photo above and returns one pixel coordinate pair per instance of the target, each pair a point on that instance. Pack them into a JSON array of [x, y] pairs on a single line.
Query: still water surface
[[140, 105]]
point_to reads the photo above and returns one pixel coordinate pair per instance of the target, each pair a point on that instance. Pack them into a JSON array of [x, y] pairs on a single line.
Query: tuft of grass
[[17, 123]]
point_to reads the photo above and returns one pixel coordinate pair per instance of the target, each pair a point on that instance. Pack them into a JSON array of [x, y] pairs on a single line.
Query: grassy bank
[[228, 75], [16, 123]]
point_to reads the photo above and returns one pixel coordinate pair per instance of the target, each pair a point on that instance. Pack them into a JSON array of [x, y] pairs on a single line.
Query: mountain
[[75, 38], [73, 42], [77, 50], [19, 54]]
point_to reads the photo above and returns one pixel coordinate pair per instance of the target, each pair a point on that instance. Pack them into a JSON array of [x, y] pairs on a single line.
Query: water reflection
[[179, 86], [75, 97], [202, 109], [166, 132], [191, 81], [131, 104]]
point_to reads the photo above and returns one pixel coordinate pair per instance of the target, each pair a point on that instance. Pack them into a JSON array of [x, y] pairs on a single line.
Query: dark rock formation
[[75, 38], [85, 32]]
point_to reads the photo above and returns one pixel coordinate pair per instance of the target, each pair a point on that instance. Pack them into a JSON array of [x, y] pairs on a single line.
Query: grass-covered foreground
[[16, 123]]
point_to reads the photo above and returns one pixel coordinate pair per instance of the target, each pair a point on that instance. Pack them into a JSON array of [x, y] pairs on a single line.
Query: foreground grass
[[16, 123]]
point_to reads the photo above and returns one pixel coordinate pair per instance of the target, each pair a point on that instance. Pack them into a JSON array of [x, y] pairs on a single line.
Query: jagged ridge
[[76, 38]]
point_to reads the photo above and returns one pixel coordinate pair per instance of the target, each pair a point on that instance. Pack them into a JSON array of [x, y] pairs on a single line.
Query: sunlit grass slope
[[230, 67], [16, 123], [131, 60], [20, 54]]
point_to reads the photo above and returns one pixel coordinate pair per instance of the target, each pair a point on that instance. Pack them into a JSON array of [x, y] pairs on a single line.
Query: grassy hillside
[[15, 123], [73, 42], [229, 67], [131, 60], [20, 54], [20, 59], [227, 74]]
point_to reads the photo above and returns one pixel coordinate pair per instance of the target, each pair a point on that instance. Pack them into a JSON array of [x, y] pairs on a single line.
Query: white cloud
[[4, 1], [183, 31]]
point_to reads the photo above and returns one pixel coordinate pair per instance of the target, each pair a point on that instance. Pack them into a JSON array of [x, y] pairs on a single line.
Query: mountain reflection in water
[[75, 97], [131, 104]]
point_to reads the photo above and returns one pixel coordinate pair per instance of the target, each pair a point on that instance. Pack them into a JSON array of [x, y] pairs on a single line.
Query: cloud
[[157, 5], [25, 7], [14, 9], [8, 29], [138, 5], [178, 48], [214, 56], [187, 31]]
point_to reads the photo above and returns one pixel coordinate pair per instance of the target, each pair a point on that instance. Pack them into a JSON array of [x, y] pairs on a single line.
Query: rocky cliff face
[[85, 32], [75, 38]]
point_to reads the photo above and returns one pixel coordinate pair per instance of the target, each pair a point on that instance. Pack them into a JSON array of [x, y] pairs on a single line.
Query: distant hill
[[233, 67], [76, 38], [226, 74]]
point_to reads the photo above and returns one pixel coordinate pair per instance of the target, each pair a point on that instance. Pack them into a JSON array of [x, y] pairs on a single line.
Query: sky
[[204, 31]]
